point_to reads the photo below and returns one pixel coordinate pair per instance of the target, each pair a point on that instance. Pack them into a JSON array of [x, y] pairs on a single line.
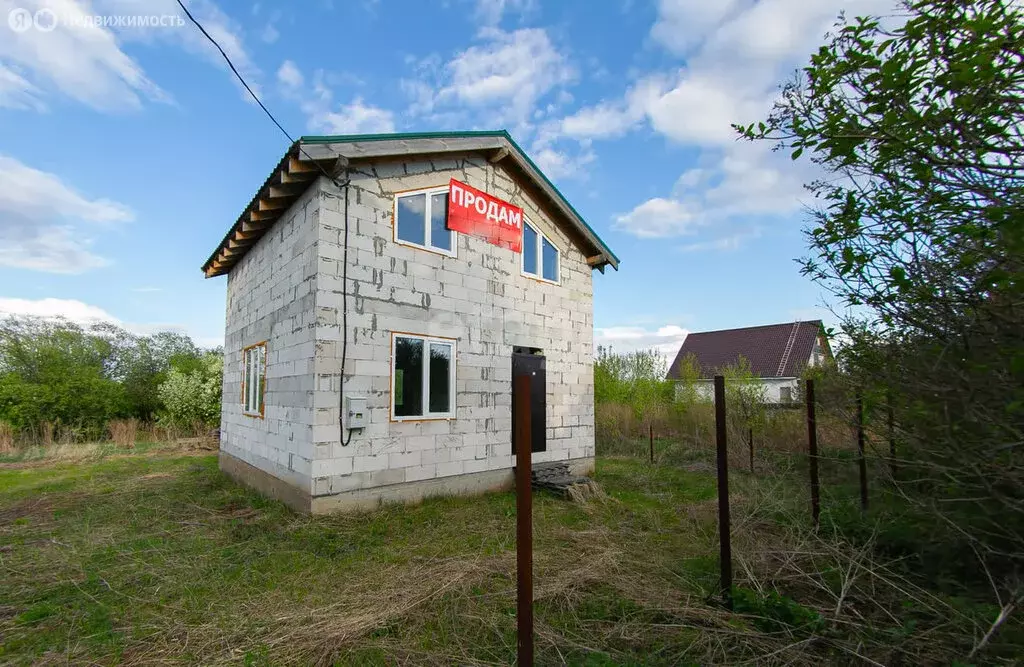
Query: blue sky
[[126, 151]]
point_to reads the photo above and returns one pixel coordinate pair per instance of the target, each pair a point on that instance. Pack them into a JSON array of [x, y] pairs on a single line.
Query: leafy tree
[[635, 378], [193, 397], [916, 123], [54, 371]]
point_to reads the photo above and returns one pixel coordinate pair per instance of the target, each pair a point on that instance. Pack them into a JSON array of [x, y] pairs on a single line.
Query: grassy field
[[158, 558]]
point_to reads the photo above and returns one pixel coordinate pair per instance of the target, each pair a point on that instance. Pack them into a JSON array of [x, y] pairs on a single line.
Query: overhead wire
[[340, 184]]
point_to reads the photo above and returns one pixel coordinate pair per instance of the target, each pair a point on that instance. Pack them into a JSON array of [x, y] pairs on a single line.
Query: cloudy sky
[[126, 151]]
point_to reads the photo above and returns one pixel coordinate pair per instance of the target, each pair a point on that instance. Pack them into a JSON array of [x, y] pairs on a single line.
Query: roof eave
[[293, 175]]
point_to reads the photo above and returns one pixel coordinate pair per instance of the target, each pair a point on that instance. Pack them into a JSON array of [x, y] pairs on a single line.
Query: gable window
[[422, 377], [540, 256], [254, 379], [421, 220]]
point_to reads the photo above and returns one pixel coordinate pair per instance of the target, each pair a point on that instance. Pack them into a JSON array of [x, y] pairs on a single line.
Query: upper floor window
[[540, 256], [254, 379], [421, 220]]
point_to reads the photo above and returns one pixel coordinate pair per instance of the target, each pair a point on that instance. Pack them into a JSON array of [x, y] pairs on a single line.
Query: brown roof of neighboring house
[[764, 347]]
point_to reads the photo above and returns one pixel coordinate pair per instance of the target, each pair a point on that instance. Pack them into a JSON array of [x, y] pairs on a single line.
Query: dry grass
[[157, 560], [6, 438], [123, 432]]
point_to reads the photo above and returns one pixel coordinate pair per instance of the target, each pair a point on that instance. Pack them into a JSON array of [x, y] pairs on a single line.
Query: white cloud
[[728, 187], [40, 220], [323, 115], [270, 33], [502, 80], [70, 309], [558, 164], [683, 24], [737, 53], [353, 118], [288, 75], [723, 243], [658, 218], [490, 12], [17, 93], [82, 61], [666, 339], [86, 314]]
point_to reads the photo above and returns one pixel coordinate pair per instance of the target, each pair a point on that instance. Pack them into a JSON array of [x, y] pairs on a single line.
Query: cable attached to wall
[[344, 324]]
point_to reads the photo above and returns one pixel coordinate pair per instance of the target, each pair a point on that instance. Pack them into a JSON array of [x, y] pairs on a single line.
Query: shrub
[[193, 397]]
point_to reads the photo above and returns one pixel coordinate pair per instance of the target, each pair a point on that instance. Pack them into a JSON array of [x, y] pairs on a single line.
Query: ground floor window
[[422, 377], [254, 378]]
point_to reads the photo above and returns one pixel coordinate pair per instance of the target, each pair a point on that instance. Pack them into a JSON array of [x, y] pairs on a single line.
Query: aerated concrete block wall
[[480, 298], [271, 296]]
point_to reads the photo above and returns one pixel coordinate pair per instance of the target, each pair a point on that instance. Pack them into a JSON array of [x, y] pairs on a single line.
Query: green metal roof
[[340, 138]]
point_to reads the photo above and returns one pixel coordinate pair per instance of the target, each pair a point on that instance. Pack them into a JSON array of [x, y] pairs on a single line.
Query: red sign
[[477, 213]]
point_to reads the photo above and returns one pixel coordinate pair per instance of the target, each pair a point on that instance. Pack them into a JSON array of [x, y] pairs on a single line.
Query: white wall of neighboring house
[[776, 390]]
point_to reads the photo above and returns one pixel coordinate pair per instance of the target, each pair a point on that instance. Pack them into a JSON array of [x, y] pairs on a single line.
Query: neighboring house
[[361, 270], [777, 353]]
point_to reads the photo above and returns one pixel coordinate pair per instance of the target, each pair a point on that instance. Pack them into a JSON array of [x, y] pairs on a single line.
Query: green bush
[[193, 397], [64, 379]]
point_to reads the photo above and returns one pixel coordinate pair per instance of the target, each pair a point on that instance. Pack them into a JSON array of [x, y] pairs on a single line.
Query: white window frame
[[425, 391], [541, 237], [428, 192], [254, 395]]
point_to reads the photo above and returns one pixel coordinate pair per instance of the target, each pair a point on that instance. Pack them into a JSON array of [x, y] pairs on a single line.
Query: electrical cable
[[344, 319], [254, 96], [344, 289]]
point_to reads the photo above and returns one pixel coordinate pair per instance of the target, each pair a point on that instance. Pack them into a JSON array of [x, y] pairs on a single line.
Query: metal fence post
[[812, 446], [861, 461], [524, 523], [724, 537], [652, 442], [892, 438], [750, 442]]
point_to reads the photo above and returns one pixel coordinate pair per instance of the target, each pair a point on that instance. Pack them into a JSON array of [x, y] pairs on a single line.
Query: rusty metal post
[[652, 442], [812, 447], [861, 461], [892, 439], [524, 523], [750, 443], [724, 537]]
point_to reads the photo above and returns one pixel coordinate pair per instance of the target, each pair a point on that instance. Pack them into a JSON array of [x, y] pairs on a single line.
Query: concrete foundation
[[367, 499]]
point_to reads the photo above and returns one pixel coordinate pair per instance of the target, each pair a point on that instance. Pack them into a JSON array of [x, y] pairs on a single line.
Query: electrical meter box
[[355, 412]]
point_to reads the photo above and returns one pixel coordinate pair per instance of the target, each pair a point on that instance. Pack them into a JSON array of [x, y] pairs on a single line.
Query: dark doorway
[[530, 361]]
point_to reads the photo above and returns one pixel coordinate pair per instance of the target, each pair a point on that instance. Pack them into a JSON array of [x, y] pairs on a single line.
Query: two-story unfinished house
[[383, 290]]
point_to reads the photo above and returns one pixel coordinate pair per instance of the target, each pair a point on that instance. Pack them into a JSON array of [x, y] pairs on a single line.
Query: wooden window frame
[[261, 399]]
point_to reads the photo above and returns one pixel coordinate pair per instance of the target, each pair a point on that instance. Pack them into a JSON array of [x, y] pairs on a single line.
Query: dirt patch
[[33, 509]]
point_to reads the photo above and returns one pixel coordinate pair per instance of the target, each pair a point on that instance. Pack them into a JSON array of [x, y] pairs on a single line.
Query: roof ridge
[[755, 326]]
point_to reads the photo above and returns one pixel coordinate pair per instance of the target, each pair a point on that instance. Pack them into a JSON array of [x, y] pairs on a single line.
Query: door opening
[[530, 361]]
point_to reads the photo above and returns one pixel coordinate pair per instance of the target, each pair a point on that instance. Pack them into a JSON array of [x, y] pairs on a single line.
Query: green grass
[[160, 558]]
